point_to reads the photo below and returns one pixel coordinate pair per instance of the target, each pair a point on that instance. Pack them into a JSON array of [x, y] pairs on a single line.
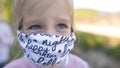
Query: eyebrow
[[66, 20], [32, 20]]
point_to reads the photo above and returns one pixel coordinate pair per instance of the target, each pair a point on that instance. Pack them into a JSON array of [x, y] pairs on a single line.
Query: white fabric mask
[[46, 49]]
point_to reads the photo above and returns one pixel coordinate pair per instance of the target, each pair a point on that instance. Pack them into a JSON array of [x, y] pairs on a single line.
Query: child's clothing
[[72, 62]]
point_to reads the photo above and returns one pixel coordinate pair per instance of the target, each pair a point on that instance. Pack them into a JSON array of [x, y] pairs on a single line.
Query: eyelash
[[59, 26], [34, 27], [63, 26]]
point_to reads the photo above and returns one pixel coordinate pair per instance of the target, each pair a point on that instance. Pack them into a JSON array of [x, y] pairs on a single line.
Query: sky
[[111, 6]]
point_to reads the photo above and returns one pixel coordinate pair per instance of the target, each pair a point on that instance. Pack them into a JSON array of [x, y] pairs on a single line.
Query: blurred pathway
[[104, 30]]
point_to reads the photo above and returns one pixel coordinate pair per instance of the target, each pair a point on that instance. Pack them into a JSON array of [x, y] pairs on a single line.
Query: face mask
[[46, 49]]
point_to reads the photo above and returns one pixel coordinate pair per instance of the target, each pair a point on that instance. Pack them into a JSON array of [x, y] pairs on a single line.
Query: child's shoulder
[[76, 62], [19, 63]]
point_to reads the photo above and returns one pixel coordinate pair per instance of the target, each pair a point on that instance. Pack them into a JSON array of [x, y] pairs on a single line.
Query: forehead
[[58, 9]]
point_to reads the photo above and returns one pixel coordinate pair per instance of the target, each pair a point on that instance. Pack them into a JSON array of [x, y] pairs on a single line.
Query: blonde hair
[[22, 7]]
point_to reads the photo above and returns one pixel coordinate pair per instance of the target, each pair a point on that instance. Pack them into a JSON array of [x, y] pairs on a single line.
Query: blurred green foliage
[[114, 52], [16, 52], [6, 10], [89, 41]]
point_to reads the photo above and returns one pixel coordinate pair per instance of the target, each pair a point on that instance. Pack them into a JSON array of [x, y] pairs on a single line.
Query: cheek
[[25, 31], [31, 31], [65, 32], [68, 32]]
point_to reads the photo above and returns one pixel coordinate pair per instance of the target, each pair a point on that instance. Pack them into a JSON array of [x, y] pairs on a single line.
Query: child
[[45, 32], [6, 40]]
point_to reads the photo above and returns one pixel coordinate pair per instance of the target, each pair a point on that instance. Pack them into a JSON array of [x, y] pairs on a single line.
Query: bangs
[[24, 7]]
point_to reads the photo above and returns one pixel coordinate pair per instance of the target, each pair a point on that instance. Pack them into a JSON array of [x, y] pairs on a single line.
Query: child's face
[[54, 20]]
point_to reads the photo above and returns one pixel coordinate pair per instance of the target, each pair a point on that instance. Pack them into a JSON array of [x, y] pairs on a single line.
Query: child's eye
[[35, 27], [61, 26]]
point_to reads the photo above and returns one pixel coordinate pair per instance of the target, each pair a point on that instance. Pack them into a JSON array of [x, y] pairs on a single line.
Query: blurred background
[[97, 26]]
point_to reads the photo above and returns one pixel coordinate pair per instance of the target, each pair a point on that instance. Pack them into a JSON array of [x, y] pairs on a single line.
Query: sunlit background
[[97, 26]]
